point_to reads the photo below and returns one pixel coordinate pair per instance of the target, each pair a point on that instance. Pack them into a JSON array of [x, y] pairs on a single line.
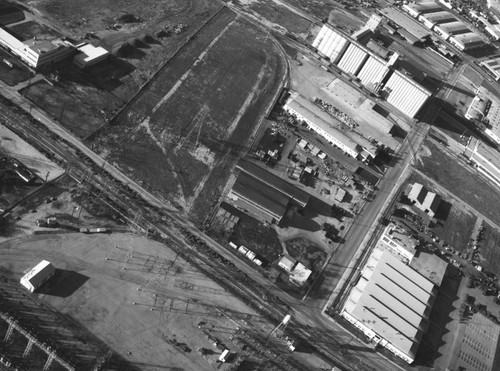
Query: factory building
[[416, 9], [432, 19], [405, 94], [424, 200], [320, 122], [296, 195], [35, 52], [493, 67], [467, 41], [391, 304], [446, 30], [262, 202], [330, 43], [485, 107], [353, 59], [409, 28], [478, 108]]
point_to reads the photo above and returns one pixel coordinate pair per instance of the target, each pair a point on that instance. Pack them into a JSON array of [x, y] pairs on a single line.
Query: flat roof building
[[36, 52], [89, 55], [391, 304], [416, 9], [299, 275], [405, 94], [432, 19], [398, 240], [287, 263], [37, 276], [446, 30], [424, 200], [478, 108], [467, 41]]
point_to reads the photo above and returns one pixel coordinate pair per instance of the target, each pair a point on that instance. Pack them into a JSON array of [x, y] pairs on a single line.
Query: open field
[[28, 30], [461, 181], [92, 15], [80, 118], [281, 16], [183, 133], [134, 295]]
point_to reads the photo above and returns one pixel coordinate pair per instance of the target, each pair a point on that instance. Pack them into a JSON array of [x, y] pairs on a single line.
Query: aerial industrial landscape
[[250, 185]]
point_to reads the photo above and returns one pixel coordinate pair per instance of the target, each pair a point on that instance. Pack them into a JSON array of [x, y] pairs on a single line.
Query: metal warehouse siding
[[373, 71], [404, 94], [353, 59], [330, 43]]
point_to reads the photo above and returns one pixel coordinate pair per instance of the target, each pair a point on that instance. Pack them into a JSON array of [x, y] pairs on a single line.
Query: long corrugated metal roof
[[261, 195], [297, 194], [353, 59], [453, 28], [394, 301], [467, 40], [405, 94], [330, 43], [438, 17], [406, 23], [373, 71], [320, 118]]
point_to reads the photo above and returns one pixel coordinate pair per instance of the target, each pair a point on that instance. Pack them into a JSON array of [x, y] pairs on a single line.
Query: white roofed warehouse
[[317, 120], [37, 276], [391, 304], [405, 94], [330, 43]]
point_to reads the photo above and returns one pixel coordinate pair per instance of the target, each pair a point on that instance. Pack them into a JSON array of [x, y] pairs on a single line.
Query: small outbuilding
[[287, 263], [37, 276]]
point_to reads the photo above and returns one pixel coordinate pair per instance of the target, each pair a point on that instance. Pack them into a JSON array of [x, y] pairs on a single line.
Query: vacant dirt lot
[[183, 133], [136, 296]]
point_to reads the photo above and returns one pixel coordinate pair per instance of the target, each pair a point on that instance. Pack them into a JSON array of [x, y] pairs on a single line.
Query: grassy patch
[[28, 30], [257, 237], [79, 117], [281, 16], [15, 74], [489, 249], [306, 252], [463, 182]]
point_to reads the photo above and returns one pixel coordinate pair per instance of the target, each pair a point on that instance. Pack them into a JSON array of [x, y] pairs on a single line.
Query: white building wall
[[18, 48], [353, 59], [404, 94]]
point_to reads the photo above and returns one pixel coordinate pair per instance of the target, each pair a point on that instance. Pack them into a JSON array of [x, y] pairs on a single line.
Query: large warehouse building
[[36, 52], [355, 59], [264, 195], [409, 28], [493, 67], [322, 123], [467, 41], [405, 94], [416, 9], [446, 30], [391, 304], [432, 19]]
